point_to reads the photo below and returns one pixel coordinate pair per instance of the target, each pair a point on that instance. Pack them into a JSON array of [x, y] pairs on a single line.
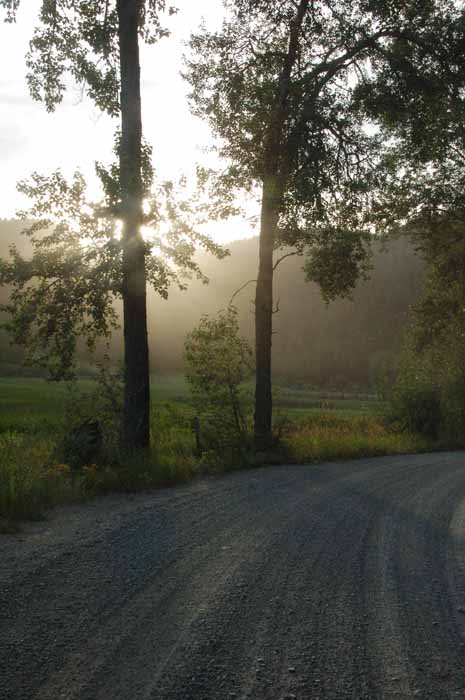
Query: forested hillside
[[339, 345]]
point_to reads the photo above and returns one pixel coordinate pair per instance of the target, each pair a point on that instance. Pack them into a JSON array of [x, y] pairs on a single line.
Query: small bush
[[30, 481], [418, 409], [219, 362], [83, 444], [93, 420]]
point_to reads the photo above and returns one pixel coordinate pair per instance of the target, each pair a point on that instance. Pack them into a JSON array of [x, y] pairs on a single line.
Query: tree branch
[[239, 290], [283, 257]]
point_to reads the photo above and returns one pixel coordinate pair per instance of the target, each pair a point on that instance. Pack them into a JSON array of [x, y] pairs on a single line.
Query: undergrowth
[[34, 476], [329, 437], [30, 480]]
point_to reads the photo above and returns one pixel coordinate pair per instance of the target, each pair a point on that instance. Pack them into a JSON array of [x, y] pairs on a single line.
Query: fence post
[[196, 429]]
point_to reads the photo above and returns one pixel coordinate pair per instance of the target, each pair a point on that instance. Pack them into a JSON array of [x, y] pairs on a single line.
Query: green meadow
[[36, 405]]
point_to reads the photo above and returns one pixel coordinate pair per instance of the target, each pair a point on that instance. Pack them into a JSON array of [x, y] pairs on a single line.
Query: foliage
[[67, 290], [429, 394], [278, 85], [263, 77], [336, 265], [30, 481], [354, 337], [102, 400], [416, 406], [97, 44], [419, 97], [219, 361], [80, 38], [425, 197], [92, 419]]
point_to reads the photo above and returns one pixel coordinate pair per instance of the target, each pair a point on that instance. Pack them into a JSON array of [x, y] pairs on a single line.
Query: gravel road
[[342, 581]]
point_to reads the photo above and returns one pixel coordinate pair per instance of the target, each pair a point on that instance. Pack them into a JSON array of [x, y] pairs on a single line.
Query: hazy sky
[[77, 134]]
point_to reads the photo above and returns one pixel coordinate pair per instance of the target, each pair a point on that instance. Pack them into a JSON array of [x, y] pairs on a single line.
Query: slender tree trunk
[[264, 316], [136, 426], [271, 205]]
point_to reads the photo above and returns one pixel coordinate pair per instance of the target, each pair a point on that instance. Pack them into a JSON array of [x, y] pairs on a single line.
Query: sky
[[77, 134]]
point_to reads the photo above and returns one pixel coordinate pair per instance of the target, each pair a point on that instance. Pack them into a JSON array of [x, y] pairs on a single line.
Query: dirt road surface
[[341, 581]]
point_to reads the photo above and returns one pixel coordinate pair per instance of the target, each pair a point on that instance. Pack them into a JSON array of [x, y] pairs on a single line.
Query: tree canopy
[[67, 289], [79, 39], [281, 85], [328, 157], [97, 45]]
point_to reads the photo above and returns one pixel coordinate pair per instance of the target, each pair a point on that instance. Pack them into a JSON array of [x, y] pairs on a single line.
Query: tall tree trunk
[[136, 426], [264, 315], [273, 183]]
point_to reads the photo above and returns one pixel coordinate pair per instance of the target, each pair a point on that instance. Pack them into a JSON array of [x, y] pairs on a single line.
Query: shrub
[[418, 409], [93, 421], [429, 393], [219, 362]]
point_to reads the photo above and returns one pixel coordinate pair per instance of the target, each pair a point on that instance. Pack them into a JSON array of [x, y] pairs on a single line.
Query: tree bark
[[273, 182], [136, 413], [264, 315]]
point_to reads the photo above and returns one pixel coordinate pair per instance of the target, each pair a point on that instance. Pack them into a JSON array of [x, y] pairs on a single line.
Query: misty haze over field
[[341, 345]]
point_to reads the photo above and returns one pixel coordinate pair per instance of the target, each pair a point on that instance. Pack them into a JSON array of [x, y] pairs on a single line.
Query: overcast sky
[[76, 134]]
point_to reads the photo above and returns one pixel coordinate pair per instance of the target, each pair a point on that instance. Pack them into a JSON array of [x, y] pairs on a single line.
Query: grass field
[[34, 475], [36, 406]]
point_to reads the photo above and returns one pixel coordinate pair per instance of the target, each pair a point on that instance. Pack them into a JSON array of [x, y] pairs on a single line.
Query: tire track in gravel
[[339, 582]]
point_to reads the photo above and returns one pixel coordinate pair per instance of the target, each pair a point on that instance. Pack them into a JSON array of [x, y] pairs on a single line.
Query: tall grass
[[34, 477], [171, 458], [30, 481], [327, 436]]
